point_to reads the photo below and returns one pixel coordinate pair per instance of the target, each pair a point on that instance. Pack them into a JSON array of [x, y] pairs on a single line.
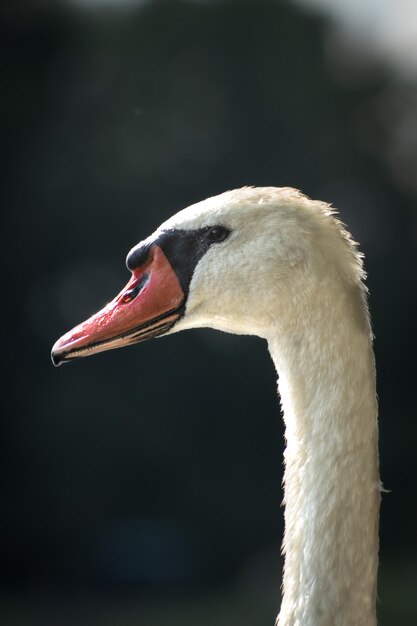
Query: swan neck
[[325, 365]]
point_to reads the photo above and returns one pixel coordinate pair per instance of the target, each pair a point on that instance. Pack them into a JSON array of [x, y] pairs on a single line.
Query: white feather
[[290, 273]]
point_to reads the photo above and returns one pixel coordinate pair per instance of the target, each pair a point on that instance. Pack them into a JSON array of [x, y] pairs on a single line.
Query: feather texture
[[291, 273]]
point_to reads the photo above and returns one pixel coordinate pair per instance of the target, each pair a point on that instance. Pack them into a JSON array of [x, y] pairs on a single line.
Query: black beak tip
[[56, 358]]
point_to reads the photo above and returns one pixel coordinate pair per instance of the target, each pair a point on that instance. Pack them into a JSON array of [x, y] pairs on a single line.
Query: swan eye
[[217, 234]]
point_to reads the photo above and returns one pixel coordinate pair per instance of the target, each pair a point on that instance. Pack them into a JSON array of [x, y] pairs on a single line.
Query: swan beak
[[148, 306]]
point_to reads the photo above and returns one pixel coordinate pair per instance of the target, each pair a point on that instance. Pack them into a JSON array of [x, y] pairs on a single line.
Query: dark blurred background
[[143, 486]]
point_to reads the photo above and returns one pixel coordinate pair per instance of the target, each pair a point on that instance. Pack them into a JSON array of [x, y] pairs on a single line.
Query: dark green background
[[143, 486]]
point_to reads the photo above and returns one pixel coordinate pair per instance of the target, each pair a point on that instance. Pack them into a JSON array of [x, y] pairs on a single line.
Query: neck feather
[[325, 364]]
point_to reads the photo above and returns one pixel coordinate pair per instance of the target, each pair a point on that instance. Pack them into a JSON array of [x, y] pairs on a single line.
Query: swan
[[274, 263]]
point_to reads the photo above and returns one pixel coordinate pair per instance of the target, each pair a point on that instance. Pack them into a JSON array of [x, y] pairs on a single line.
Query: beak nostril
[[131, 294]]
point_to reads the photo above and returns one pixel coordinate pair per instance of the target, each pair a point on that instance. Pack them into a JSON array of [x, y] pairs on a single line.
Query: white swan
[[273, 263]]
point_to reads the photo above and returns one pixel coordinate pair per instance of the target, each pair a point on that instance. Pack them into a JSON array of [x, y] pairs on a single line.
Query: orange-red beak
[[148, 306]]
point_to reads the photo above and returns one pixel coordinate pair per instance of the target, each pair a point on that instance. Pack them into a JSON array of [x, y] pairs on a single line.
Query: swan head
[[237, 262]]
